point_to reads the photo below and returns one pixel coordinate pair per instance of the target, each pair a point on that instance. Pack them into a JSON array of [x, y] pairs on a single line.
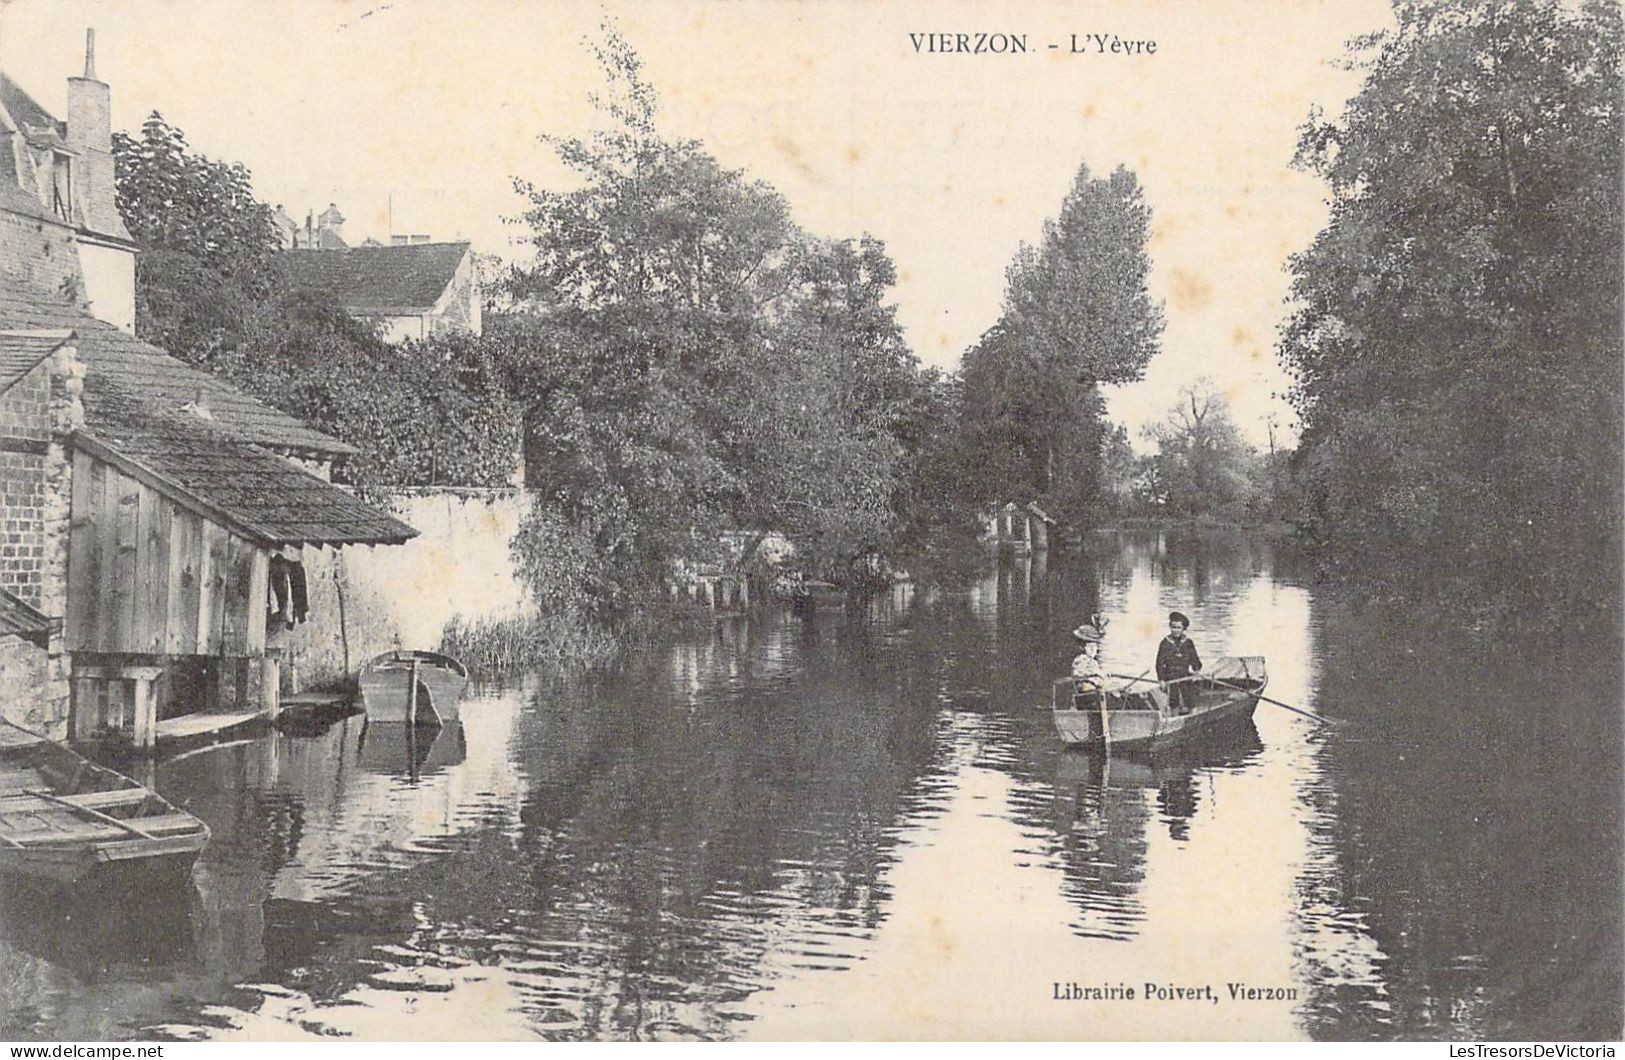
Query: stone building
[[324, 231], [151, 511], [413, 290]]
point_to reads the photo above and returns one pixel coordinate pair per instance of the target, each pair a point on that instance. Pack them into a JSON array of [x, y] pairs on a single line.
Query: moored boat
[[418, 687], [1136, 714], [64, 818]]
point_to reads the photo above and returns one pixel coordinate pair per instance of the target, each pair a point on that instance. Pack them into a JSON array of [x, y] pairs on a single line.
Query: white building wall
[[109, 273]]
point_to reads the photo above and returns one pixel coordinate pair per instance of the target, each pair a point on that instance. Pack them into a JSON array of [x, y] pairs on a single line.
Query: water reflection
[[856, 823]]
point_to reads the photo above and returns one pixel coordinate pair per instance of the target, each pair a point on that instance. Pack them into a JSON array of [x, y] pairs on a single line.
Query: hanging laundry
[[298, 594]]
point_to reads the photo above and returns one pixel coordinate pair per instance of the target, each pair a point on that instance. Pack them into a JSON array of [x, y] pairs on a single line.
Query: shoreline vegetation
[[678, 358]]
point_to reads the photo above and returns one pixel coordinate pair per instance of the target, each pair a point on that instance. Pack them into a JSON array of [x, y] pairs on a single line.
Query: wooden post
[[144, 726], [412, 696], [86, 707], [144, 723], [271, 682]]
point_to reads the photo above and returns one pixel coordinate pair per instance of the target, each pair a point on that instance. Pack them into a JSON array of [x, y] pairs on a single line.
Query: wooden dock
[[208, 727]]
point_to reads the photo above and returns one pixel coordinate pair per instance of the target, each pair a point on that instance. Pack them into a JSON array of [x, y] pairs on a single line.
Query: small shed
[[1022, 528], [175, 532]]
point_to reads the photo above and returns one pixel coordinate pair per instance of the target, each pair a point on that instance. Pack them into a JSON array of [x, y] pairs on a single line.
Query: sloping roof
[[153, 376], [19, 619], [407, 279], [20, 351], [23, 108], [258, 494]]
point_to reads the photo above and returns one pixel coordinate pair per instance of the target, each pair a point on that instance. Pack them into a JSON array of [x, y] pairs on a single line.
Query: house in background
[[63, 232], [324, 231], [152, 512], [412, 289]]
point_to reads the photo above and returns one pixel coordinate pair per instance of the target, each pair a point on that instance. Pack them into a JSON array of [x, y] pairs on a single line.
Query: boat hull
[[156, 862], [67, 820], [386, 688]]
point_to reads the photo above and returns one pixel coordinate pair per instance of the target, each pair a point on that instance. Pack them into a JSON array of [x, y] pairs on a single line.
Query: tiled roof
[[20, 351], [23, 109], [255, 493], [409, 279], [146, 372], [17, 618]]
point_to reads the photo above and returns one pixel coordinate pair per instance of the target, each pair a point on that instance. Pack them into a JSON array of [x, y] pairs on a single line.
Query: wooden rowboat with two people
[[63, 818], [413, 687], [1136, 714]]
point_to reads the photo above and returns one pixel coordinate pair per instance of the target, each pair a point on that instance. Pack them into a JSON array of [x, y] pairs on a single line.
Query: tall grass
[[494, 646]]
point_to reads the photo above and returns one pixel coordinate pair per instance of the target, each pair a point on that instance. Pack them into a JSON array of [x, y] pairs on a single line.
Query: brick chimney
[[90, 134]]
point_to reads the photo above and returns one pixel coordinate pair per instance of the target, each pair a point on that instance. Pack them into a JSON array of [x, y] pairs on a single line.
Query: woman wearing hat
[[1176, 659], [1086, 668]]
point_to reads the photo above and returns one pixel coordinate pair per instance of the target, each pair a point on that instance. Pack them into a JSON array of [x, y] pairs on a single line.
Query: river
[[860, 824]]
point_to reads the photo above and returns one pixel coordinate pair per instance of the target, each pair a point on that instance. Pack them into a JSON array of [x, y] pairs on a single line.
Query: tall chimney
[[90, 135]]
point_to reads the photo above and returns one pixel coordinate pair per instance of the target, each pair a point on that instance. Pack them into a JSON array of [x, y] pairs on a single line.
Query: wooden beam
[[176, 581], [105, 818], [152, 556], [189, 618], [106, 479], [120, 604], [83, 556], [258, 594]]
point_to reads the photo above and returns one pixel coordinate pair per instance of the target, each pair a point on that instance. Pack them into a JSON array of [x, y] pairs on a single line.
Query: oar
[[1317, 719], [1140, 678]]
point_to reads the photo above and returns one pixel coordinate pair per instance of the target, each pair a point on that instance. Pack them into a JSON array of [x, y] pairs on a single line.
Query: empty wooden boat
[[1136, 713], [413, 687], [64, 818]]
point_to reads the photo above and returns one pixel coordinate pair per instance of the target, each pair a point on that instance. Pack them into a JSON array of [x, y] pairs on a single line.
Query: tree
[[1203, 466], [699, 362], [210, 291], [1077, 313], [1117, 470], [208, 246], [1456, 330]]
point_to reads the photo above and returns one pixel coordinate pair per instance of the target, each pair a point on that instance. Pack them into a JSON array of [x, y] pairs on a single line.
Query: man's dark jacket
[[1176, 659]]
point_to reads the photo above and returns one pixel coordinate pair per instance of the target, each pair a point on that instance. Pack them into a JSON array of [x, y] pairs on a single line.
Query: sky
[[418, 115]]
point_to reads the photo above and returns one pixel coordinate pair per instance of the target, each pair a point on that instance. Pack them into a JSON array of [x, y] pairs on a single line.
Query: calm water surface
[[859, 825]]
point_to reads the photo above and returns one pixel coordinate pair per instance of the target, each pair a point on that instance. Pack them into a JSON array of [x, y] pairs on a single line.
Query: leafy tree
[[1456, 327], [209, 289], [1077, 314], [697, 362], [208, 247], [1203, 466], [1117, 470]]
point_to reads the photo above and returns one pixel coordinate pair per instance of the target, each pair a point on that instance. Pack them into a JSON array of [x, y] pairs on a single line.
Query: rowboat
[[417, 687], [64, 818], [1136, 714]]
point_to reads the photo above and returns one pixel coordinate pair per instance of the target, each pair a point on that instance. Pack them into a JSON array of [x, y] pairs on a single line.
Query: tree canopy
[[1455, 335], [1077, 313], [700, 363], [210, 291], [1203, 466]]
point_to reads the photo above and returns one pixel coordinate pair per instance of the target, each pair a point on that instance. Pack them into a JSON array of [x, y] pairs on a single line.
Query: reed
[[495, 646]]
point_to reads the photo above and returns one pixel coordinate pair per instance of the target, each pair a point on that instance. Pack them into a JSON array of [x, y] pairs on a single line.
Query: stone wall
[[41, 409], [24, 424], [368, 600], [23, 666], [40, 253]]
